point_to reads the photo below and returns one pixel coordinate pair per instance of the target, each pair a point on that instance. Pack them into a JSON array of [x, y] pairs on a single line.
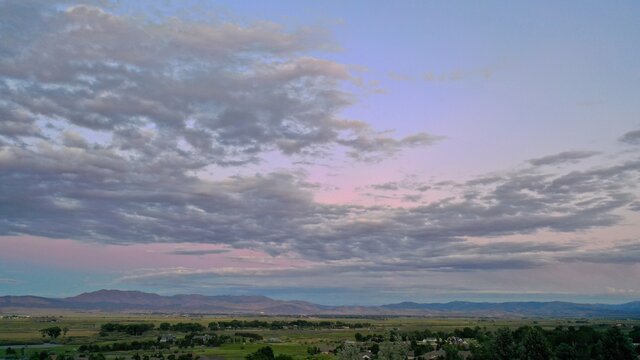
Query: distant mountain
[[137, 301], [130, 301], [529, 308]]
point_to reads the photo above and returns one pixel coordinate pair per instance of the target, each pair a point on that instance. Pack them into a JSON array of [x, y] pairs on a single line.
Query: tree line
[[129, 329], [279, 325], [560, 343], [523, 343]]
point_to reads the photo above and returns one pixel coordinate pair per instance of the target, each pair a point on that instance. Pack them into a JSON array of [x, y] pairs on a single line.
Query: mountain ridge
[[138, 301]]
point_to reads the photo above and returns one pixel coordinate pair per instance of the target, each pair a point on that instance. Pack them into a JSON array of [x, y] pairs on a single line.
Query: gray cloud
[[410, 183], [94, 194], [632, 137], [199, 252], [107, 123], [620, 253], [202, 92], [388, 186], [563, 157]]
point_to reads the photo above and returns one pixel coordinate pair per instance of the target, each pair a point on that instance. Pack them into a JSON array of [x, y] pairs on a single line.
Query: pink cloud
[[71, 254]]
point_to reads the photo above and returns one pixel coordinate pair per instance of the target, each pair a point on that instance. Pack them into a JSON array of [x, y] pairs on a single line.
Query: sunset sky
[[340, 152]]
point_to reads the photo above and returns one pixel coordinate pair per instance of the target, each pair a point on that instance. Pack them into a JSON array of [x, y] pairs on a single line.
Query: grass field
[[84, 329]]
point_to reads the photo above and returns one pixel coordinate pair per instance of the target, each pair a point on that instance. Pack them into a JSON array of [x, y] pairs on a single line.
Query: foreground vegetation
[[161, 337]]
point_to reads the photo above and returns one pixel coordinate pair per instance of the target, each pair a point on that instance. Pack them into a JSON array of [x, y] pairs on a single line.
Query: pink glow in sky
[[77, 255], [385, 151]]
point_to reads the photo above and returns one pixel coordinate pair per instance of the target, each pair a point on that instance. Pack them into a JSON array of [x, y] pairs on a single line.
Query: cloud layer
[[113, 130]]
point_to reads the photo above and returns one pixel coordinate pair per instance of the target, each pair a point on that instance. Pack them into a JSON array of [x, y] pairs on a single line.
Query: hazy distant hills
[[136, 301], [529, 308], [117, 300]]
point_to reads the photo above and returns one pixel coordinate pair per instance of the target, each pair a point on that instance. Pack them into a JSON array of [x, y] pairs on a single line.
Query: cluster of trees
[[313, 350], [11, 353], [135, 356], [387, 350], [187, 356], [182, 327], [46, 355], [561, 343], [212, 340], [249, 335], [266, 353], [277, 325], [374, 341], [634, 334], [119, 346], [129, 329], [190, 340], [54, 331], [42, 355], [524, 343], [393, 336]]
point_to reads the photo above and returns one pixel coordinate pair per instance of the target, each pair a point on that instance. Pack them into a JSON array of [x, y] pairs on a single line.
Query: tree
[[482, 351], [98, 356], [451, 352], [635, 334], [283, 357], [348, 352], [265, 353], [53, 332], [565, 351], [393, 350], [503, 345], [9, 351], [616, 346], [65, 330], [42, 355], [535, 346]]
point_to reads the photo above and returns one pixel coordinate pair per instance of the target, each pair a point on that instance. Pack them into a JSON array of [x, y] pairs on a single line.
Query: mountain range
[[137, 301]]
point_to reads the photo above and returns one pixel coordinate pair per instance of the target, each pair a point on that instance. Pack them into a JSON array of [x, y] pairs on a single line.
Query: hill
[[137, 301]]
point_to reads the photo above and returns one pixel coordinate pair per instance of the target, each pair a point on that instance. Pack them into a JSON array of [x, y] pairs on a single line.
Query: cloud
[[407, 190], [107, 138], [563, 158], [408, 183], [199, 92], [632, 137], [95, 195], [620, 253], [388, 186], [199, 252]]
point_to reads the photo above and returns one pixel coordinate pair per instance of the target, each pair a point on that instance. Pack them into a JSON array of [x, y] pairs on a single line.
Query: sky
[[362, 152]]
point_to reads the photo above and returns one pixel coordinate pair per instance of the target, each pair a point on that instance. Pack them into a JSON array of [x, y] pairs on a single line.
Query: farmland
[[229, 338]]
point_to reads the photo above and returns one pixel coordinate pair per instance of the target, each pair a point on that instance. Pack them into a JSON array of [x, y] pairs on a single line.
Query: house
[[433, 355], [204, 338], [167, 338], [454, 340], [430, 340]]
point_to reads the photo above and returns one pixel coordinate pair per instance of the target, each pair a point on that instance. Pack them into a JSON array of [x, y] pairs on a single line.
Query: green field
[[84, 329]]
